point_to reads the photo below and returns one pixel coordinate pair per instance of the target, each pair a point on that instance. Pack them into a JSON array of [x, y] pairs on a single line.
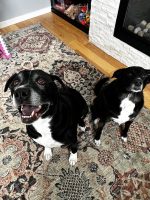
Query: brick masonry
[[102, 24]]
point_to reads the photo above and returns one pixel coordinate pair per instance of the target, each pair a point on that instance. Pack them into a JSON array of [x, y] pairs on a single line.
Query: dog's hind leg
[[81, 125], [98, 131], [81, 121], [124, 130]]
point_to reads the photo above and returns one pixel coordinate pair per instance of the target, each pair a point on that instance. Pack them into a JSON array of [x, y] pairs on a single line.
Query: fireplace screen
[[137, 18], [133, 24]]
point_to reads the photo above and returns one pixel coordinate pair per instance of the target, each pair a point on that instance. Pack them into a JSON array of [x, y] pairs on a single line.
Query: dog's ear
[[56, 78], [9, 82], [118, 73]]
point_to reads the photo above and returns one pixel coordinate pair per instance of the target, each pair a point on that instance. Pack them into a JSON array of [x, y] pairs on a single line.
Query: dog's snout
[[22, 93], [138, 82]]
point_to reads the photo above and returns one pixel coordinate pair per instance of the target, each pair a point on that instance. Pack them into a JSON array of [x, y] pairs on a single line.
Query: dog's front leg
[[124, 130], [100, 125], [47, 153], [73, 154]]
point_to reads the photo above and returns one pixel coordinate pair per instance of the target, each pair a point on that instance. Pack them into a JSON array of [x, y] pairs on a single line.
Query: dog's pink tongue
[[27, 109]]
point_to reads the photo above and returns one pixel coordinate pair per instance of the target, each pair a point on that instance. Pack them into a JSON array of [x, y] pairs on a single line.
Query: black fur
[[65, 105], [129, 82]]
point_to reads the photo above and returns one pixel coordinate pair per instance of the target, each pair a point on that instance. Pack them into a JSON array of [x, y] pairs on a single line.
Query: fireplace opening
[[133, 24]]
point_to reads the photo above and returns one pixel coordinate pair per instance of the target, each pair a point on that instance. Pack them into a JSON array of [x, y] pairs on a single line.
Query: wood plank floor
[[78, 41]]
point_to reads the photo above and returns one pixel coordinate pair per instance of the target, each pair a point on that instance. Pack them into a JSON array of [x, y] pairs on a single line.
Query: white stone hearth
[[102, 24]]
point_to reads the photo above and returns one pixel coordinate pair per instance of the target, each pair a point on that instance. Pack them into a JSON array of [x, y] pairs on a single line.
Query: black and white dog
[[51, 113], [119, 99]]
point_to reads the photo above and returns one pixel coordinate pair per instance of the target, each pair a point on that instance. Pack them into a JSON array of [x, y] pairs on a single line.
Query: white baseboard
[[25, 17]]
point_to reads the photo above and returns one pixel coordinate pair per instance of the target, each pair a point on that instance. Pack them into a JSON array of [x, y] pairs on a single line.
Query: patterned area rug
[[114, 171]]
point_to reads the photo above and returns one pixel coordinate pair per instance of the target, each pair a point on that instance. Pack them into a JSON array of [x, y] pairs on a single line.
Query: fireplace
[[103, 17], [133, 24]]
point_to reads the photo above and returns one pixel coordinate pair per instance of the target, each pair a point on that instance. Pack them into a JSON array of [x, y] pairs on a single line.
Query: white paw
[[48, 153], [73, 159], [124, 139], [82, 128], [97, 142], [96, 121]]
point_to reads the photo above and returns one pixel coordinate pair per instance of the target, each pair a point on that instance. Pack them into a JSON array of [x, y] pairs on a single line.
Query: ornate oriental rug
[[114, 171]]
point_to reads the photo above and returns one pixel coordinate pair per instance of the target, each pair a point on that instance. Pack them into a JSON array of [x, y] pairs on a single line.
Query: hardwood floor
[[78, 41]]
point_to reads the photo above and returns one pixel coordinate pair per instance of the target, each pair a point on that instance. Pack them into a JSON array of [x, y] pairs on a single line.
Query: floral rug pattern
[[113, 171]]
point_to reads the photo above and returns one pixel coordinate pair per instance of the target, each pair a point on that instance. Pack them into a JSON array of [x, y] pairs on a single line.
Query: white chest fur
[[42, 126], [127, 108]]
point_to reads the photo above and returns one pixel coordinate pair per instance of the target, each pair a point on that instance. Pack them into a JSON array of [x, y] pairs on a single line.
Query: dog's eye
[[41, 81], [16, 82]]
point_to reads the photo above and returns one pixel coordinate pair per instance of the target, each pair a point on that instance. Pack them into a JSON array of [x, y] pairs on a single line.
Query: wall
[[13, 8], [102, 23]]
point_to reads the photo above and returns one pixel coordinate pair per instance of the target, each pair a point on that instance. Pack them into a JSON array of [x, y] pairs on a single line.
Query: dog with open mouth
[[119, 99], [51, 110]]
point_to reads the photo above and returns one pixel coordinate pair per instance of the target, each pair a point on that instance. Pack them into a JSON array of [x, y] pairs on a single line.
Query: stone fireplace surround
[[102, 24]]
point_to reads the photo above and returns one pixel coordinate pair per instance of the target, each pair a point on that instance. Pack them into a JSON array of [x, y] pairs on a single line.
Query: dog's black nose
[[138, 82], [22, 93]]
